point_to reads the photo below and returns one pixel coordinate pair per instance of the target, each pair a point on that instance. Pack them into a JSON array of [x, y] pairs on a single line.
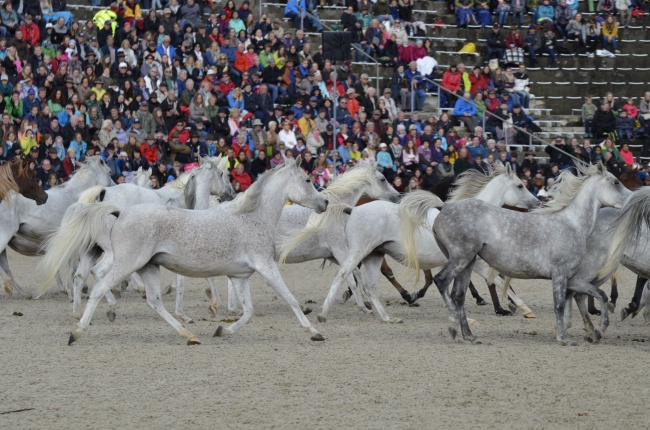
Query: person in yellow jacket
[[610, 34], [465, 83], [105, 15], [28, 142]]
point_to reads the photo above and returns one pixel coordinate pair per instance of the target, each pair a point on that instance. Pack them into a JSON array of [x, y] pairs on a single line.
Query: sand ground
[[138, 373]]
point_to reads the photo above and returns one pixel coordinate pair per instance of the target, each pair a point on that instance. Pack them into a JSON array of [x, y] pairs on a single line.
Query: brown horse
[[17, 176]]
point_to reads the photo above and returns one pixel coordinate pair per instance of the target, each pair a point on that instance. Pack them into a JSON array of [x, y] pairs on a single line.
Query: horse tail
[[83, 225], [316, 224], [492, 274], [413, 211], [93, 194], [506, 285], [633, 216]]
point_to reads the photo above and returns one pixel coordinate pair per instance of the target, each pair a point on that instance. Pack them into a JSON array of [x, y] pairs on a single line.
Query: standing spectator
[[495, 44], [603, 122], [588, 112]]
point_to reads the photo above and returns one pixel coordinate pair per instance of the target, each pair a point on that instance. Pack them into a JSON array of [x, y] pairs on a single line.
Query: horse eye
[[520, 186], [383, 179], [307, 180], [616, 182]]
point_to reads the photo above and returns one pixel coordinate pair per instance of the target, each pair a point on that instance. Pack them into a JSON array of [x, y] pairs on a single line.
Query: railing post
[[412, 98], [377, 79]]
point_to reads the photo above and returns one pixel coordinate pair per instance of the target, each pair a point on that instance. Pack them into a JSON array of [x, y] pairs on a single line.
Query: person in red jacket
[[31, 33], [183, 133], [69, 164], [451, 80], [242, 177], [226, 85], [149, 149], [479, 84], [242, 62]]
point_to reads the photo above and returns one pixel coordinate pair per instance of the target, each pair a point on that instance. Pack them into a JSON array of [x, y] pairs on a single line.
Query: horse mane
[[250, 199], [567, 187], [179, 183], [7, 180], [470, 183], [349, 183]]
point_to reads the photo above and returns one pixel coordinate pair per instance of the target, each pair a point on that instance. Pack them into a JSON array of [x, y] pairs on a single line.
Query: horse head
[[26, 181]]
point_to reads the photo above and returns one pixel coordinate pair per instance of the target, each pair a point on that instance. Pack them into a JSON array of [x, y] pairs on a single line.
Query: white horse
[[26, 225], [142, 178], [373, 230], [329, 243], [195, 191], [188, 242], [558, 235]]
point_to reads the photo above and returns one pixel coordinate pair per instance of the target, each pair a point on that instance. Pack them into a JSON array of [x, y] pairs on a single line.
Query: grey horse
[[548, 243]]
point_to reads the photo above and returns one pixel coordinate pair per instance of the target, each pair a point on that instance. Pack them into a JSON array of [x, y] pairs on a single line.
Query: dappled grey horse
[[234, 239], [373, 230], [548, 243]]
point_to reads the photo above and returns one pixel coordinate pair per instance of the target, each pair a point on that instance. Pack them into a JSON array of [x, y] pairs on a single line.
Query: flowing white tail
[[413, 212], [82, 227], [92, 195], [633, 216]]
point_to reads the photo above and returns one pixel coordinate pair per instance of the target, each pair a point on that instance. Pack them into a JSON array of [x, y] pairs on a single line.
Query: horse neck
[[583, 209], [492, 193], [80, 182], [352, 198], [273, 199], [201, 192]]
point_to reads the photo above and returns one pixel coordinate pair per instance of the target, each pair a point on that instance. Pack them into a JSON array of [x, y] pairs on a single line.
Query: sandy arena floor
[[138, 373]]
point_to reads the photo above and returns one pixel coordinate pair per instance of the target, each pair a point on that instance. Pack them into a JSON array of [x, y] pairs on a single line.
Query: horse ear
[[139, 170], [298, 161], [149, 171], [508, 169], [201, 161], [601, 167]]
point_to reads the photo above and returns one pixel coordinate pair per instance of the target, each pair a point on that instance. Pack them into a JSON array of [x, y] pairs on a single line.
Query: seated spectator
[[546, 12], [465, 111], [549, 44], [495, 44], [603, 122], [465, 13], [624, 127], [610, 34], [563, 14]]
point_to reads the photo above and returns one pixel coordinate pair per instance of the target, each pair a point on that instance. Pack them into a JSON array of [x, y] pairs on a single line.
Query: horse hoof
[[368, 305], [597, 336], [346, 295], [472, 323], [624, 314], [317, 337], [611, 306], [481, 302], [212, 310], [111, 315], [394, 321], [208, 293], [406, 296], [595, 312], [322, 318], [219, 332], [589, 339], [414, 304], [307, 311], [503, 313], [193, 341], [530, 315], [117, 293], [73, 338], [453, 332], [167, 290], [9, 288], [84, 290]]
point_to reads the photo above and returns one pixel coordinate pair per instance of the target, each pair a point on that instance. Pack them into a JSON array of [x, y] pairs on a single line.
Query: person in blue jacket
[[465, 111]]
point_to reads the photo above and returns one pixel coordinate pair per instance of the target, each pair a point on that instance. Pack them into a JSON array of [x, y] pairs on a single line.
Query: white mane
[[567, 187]]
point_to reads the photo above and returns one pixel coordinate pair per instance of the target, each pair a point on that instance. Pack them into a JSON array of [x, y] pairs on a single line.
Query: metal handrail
[[302, 27], [488, 113]]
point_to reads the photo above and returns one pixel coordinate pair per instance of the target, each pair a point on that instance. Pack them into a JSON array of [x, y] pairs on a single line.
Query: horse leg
[[479, 300], [348, 293], [559, 304], [372, 264], [613, 295], [388, 274], [519, 303], [584, 312], [232, 299], [86, 263], [138, 284], [461, 283], [355, 281], [150, 275], [591, 306], [108, 278], [112, 304], [633, 307], [581, 286], [241, 288], [63, 287], [450, 271], [428, 280], [10, 282], [271, 274], [495, 302], [180, 291], [213, 295]]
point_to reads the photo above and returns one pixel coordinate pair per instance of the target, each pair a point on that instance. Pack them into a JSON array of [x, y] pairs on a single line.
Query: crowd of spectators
[[163, 88]]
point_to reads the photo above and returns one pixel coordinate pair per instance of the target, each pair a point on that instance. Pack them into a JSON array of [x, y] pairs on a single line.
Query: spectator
[[624, 127], [603, 122], [610, 34], [549, 43], [563, 14], [465, 111], [495, 44]]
